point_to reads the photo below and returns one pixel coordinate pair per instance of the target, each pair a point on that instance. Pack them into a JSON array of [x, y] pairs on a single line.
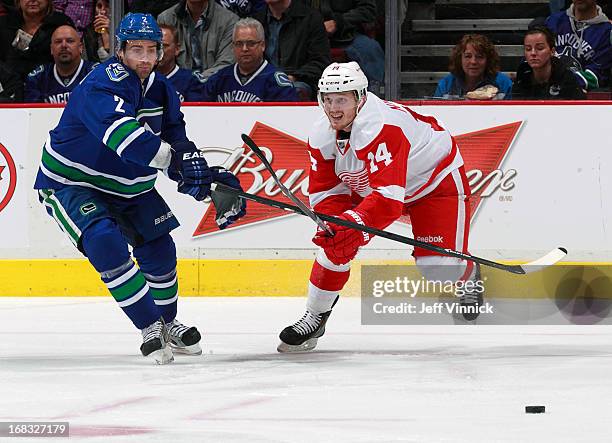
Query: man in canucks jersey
[[97, 177]]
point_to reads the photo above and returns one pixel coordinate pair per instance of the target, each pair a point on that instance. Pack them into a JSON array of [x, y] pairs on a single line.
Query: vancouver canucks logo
[[116, 72], [567, 56], [87, 208]]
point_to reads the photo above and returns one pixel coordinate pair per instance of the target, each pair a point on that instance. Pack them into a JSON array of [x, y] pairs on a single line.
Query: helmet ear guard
[[343, 77]]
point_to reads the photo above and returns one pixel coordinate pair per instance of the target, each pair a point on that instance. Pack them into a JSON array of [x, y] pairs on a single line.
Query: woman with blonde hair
[[474, 72], [25, 34]]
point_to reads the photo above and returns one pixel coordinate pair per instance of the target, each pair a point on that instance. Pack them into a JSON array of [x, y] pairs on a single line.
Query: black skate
[[472, 300], [184, 339], [156, 343], [303, 335]]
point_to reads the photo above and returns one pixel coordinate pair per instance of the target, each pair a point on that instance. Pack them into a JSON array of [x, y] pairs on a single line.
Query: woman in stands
[[542, 76], [25, 35], [474, 72]]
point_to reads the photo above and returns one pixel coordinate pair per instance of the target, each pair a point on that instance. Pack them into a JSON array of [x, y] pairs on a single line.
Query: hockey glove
[[229, 207], [343, 246], [189, 169]]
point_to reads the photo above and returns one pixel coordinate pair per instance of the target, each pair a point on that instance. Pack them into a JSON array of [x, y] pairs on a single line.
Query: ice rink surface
[[78, 360]]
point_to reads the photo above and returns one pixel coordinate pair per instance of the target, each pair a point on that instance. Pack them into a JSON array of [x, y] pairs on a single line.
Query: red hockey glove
[[343, 246]]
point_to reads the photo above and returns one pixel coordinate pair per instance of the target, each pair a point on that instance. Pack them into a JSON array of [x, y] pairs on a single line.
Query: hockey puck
[[535, 409]]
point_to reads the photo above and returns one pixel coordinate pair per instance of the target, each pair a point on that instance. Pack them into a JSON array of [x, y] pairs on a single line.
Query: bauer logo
[[8, 177], [483, 153]]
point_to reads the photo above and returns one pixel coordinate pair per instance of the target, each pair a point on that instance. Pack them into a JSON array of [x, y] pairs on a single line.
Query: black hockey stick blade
[[305, 209], [547, 260]]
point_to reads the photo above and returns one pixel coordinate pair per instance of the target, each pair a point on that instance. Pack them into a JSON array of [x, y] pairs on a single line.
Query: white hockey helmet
[[343, 77]]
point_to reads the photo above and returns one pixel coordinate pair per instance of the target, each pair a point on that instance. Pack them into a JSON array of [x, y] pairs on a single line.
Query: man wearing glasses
[[251, 78]]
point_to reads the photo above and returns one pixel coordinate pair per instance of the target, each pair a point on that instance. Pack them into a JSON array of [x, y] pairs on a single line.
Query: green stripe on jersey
[[121, 133], [102, 183]]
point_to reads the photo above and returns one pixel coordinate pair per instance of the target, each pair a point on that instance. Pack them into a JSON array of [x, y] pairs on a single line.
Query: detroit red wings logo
[[483, 152], [8, 177]]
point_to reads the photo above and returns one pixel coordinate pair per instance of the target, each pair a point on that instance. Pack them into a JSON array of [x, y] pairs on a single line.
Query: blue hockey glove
[[189, 169], [229, 207]]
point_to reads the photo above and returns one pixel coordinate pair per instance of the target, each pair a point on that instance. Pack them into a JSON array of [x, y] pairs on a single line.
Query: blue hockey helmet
[[138, 26]]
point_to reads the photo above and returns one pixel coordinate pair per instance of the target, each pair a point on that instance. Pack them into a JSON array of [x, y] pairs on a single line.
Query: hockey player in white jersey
[[371, 162]]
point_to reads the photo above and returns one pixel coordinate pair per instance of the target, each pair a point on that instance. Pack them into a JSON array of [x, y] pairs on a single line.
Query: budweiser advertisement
[[538, 180]]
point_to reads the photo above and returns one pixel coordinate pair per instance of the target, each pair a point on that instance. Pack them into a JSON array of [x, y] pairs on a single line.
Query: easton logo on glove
[[192, 155]]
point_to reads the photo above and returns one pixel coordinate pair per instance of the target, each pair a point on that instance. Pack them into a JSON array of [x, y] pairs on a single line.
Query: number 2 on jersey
[[119, 108], [382, 155]]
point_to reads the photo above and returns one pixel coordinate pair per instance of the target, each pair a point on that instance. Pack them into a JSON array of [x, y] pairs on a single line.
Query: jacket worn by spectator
[[452, 87], [153, 7], [303, 44], [349, 15], [562, 84], [11, 86], [215, 41], [38, 51], [584, 46], [267, 84], [45, 85]]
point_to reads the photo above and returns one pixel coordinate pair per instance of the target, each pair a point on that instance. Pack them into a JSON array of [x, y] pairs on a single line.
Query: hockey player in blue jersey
[[584, 42], [189, 84], [97, 177], [251, 78], [53, 82]]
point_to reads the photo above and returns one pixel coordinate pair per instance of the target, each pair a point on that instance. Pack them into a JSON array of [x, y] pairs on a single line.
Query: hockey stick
[[305, 209], [547, 260]]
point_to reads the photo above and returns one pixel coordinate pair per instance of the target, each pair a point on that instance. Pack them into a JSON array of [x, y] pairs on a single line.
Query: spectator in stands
[[11, 86], [296, 42], [153, 7], [474, 72], [205, 33], [97, 35], [189, 85], [53, 83], [25, 35], [79, 11], [583, 42], [345, 22], [243, 8], [251, 78], [542, 76]]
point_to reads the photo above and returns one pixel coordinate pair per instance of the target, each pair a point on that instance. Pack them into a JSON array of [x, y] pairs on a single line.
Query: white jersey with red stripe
[[393, 156]]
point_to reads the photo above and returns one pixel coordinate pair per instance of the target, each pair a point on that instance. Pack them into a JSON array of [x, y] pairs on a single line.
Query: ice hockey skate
[[184, 339], [156, 344], [471, 300], [304, 334]]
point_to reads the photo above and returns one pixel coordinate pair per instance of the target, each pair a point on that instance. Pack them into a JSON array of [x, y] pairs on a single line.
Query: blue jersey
[[189, 84], [106, 138], [44, 83], [267, 84], [584, 46]]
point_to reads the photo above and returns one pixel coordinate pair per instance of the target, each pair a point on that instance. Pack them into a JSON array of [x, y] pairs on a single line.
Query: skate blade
[[187, 350], [308, 345], [162, 356]]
